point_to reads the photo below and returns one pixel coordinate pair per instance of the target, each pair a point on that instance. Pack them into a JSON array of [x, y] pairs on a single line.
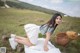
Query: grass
[[12, 21]]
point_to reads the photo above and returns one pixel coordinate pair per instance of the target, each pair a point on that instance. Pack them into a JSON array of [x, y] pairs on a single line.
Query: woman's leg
[[19, 37], [23, 40]]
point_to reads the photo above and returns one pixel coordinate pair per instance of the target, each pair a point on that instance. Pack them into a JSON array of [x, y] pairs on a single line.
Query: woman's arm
[[48, 35]]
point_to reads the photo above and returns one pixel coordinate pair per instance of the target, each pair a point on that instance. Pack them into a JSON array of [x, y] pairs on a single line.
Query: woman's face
[[58, 20]]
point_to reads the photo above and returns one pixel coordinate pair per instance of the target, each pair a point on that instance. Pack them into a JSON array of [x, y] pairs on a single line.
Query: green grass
[[13, 20]]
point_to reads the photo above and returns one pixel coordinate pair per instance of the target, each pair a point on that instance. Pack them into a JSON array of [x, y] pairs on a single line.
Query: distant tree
[[1, 3], [4, 3]]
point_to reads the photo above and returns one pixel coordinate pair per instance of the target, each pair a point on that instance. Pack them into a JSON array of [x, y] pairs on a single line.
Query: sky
[[69, 7]]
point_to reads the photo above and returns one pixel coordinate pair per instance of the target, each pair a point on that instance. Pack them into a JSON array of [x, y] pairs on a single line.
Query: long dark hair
[[51, 22]]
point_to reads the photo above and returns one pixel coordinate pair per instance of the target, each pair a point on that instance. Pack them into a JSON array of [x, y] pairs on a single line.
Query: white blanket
[[39, 48]]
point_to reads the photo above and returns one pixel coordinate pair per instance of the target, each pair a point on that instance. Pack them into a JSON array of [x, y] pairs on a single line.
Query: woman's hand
[[46, 48]]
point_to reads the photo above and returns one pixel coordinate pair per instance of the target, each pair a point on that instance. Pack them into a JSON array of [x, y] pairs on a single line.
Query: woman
[[32, 31]]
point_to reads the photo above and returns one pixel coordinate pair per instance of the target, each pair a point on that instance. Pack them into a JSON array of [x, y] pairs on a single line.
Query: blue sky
[[69, 7]]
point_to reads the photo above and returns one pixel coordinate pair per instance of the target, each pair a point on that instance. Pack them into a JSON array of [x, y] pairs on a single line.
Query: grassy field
[[13, 20]]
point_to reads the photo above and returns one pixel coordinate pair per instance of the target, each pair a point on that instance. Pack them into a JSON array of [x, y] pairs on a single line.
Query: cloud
[[55, 1]]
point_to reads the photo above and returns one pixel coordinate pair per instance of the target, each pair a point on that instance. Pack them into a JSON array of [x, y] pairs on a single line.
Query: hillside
[[23, 5]]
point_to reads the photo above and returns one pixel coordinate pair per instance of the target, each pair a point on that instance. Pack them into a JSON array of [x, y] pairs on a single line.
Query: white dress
[[32, 31]]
